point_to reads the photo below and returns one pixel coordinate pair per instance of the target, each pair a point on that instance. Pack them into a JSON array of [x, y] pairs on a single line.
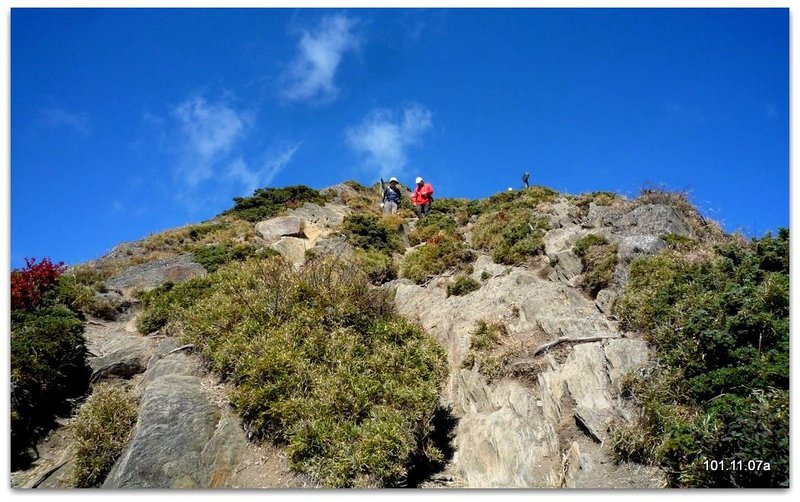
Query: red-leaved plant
[[29, 285]]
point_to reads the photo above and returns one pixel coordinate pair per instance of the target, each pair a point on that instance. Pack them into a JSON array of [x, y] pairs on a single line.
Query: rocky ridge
[[544, 423]]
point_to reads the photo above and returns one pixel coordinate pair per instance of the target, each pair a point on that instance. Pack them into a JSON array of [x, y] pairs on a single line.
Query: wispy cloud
[[78, 123], [384, 136], [311, 76], [252, 178], [207, 131]]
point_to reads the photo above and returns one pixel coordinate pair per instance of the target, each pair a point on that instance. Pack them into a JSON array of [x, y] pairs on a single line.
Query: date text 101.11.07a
[[736, 465]]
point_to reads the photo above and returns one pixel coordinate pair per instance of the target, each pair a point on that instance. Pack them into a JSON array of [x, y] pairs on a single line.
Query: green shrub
[[321, 362], [161, 304], [483, 353], [529, 198], [462, 285], [48, 367], [79, 297], [679, 242], [442, 252], [369, 232], [721, 332], [598, 260], [378, 266], [269, 202], [100, 431], [431, 225], [213, 256], [512, 237], [584, 243]]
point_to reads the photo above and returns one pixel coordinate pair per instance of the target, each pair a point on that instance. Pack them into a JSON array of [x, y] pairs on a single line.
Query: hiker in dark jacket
[[391, 197]]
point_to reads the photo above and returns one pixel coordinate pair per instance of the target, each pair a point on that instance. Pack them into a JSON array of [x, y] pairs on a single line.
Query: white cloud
[[312, 74], [383, 137], [208, 131], [59, 117], [250, 179]]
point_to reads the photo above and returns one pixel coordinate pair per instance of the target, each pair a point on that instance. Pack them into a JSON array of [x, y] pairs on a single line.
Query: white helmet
[[419, 180], [392, 179]]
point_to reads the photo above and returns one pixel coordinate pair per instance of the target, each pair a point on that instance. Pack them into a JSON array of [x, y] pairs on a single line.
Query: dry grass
[[101, 430]]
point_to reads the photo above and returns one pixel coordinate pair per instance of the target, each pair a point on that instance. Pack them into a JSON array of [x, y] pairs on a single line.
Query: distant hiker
[[422, 197], [391, 197], [525, 176]]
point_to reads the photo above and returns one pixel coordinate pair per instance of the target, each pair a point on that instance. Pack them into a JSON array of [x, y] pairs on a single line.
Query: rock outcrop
[[513, 432], [302, 229], [155, 273]]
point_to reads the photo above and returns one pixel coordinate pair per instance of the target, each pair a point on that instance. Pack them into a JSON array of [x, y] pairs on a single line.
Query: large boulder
[[319, 220], [150, 275], [293, 249], [274, 229]]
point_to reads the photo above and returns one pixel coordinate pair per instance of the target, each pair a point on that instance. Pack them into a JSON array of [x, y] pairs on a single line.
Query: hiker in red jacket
[[422, 197]]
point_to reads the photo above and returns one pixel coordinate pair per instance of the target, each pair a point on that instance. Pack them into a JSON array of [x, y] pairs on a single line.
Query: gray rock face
[[511, 433], [327, 216], [175, 423], [653, 219], [631, 246], [116, 353], [273, 229], [182, 439], [150, 275]]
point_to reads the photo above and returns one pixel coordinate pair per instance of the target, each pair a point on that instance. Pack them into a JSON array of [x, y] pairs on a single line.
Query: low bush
[[431, 225], [529, 198], [321, 362], [584, 243], [100, 431], [720, 328], [213, 256], [462, 285], [679, 242], [269, 202], [485, 354], [160, 304], [598, 260], [513, 237], [379, 267], [48, 367], [82, 298], [370, 232], [442, 252]]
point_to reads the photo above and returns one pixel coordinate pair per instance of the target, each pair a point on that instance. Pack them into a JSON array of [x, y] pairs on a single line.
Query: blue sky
[[128, 122]]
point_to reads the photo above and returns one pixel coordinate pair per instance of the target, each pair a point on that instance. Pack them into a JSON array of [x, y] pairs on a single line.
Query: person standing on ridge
[[422, 197], [525, 176], [391, 197]]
